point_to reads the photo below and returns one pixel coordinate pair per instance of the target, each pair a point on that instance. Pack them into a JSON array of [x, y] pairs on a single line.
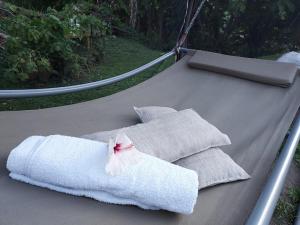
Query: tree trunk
[[133, 12], [3, 38], [149, 21], [161, 23]]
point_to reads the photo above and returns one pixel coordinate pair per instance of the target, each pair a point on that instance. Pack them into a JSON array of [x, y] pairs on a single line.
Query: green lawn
[[271, 57], [121, 55], [287, 206]]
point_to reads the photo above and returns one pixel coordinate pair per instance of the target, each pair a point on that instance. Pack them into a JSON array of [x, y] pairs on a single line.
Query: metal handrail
[[24, 93], [297, 220], [265, 206]]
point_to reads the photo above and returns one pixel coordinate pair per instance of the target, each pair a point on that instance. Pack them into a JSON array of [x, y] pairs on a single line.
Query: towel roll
[[77, 166]]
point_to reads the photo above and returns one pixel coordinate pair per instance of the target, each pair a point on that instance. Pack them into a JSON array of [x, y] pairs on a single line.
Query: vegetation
[[286, 209], [297, 156], [41, 45], [61, 39], [249, 28], [244, 27]]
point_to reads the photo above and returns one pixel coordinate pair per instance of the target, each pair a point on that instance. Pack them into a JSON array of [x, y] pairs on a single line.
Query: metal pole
[[265, 206], [23, 93], [297, 220]]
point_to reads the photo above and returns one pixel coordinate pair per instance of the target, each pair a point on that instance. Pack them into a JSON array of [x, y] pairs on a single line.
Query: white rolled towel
[[77, 166]]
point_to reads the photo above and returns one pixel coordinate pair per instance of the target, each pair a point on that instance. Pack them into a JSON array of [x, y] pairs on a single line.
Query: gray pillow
[[149, 113], [171, 138], [213, 166]]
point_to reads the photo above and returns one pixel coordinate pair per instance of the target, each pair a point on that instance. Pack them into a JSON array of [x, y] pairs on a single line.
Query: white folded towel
[[77, 166]]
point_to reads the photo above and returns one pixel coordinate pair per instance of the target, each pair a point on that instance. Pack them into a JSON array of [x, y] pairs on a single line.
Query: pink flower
[[118, 147]]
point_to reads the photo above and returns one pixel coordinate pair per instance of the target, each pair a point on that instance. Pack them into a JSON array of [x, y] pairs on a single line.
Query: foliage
[[44, 44], [248, 28], [238, 27], [32, 43], [297, 155], [40, 5], [286, 209]]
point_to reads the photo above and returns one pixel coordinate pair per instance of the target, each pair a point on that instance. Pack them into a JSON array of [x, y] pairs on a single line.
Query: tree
[[133, 12]]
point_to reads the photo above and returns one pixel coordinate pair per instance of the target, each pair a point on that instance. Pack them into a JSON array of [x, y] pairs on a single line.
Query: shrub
[[42, 44]]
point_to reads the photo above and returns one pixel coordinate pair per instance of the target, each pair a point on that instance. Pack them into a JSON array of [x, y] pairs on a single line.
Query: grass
[[271, 57], [121, 55], [286, 209]]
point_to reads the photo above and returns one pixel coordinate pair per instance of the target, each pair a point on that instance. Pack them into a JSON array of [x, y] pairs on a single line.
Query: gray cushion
[[172, 137], [149, 113], [264, 71], [213, 165]]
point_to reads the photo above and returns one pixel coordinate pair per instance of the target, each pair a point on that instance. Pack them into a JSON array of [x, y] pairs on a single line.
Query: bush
[[43, 44]]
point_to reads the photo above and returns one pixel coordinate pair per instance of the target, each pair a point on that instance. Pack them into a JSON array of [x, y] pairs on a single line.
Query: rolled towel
[[77, 166]]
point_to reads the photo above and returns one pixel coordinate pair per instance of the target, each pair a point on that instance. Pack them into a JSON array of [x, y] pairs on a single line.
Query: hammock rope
[[187, 24]]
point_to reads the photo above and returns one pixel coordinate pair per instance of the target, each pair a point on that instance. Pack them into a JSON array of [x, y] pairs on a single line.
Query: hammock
[[255, 115]]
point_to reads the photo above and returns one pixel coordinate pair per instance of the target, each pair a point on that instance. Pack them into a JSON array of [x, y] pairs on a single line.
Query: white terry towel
[[77, 166]]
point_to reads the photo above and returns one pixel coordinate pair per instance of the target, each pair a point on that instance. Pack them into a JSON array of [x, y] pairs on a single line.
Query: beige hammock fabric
[[256, 116]]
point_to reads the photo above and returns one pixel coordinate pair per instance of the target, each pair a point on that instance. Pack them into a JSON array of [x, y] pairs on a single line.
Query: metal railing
[[297, 220], [24, 93], [265, 206]]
